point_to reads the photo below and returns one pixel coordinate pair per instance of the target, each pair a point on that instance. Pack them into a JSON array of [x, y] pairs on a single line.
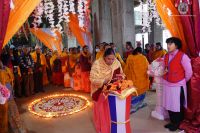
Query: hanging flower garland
[[38, 15], [66, 11], [152, 14], [49, 9], [71, 6], [87, 13], [63, 8], [60, 16], [81, 10], [144, 17]]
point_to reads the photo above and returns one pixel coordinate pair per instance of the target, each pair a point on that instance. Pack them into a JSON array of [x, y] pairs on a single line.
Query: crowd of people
[[172, 90], [33, 68], [26, 71]]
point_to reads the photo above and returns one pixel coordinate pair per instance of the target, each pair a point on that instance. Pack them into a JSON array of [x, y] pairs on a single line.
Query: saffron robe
[[136, 70], [44, 66], [99, 54], [118, 56], [158, 54]]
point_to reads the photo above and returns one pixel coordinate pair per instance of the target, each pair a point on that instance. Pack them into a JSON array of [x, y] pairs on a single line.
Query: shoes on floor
[[169, 125], [174, 127]]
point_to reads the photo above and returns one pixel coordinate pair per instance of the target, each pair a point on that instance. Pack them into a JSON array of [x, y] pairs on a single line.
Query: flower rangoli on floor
[[58, 105]]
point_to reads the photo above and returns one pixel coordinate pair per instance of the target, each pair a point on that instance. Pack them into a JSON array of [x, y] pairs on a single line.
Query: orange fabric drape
[[22, 10], [76, 30], [173, 23], [48, 40], [58, 42]]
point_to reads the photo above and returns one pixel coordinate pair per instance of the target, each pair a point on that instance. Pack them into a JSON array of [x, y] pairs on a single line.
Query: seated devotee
[[40, 74], [136, 70], [27, 68], [178, 71], [101, 74], [15, 123], [85, 64], [117, 54], [100, 52], [160, 52], [57, 76], [129, 50]]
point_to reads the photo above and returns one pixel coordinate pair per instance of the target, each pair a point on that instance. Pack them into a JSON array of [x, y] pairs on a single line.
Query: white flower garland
[[64, 8], [38, 15], [66, 11], [81, 10], [49, 9], [151, 15], [60, 16], [71, 6]]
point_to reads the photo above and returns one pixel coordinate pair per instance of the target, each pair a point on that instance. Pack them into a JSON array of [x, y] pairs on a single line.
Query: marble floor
[[141, 121]]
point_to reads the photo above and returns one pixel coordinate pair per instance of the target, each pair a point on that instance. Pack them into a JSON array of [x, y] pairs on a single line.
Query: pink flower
[[4, 91]]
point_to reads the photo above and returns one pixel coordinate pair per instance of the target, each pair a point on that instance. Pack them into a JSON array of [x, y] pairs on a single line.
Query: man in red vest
[[178, 71]]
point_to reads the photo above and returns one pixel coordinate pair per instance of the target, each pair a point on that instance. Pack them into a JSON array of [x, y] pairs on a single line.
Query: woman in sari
[[85, 63], [102, 72]]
